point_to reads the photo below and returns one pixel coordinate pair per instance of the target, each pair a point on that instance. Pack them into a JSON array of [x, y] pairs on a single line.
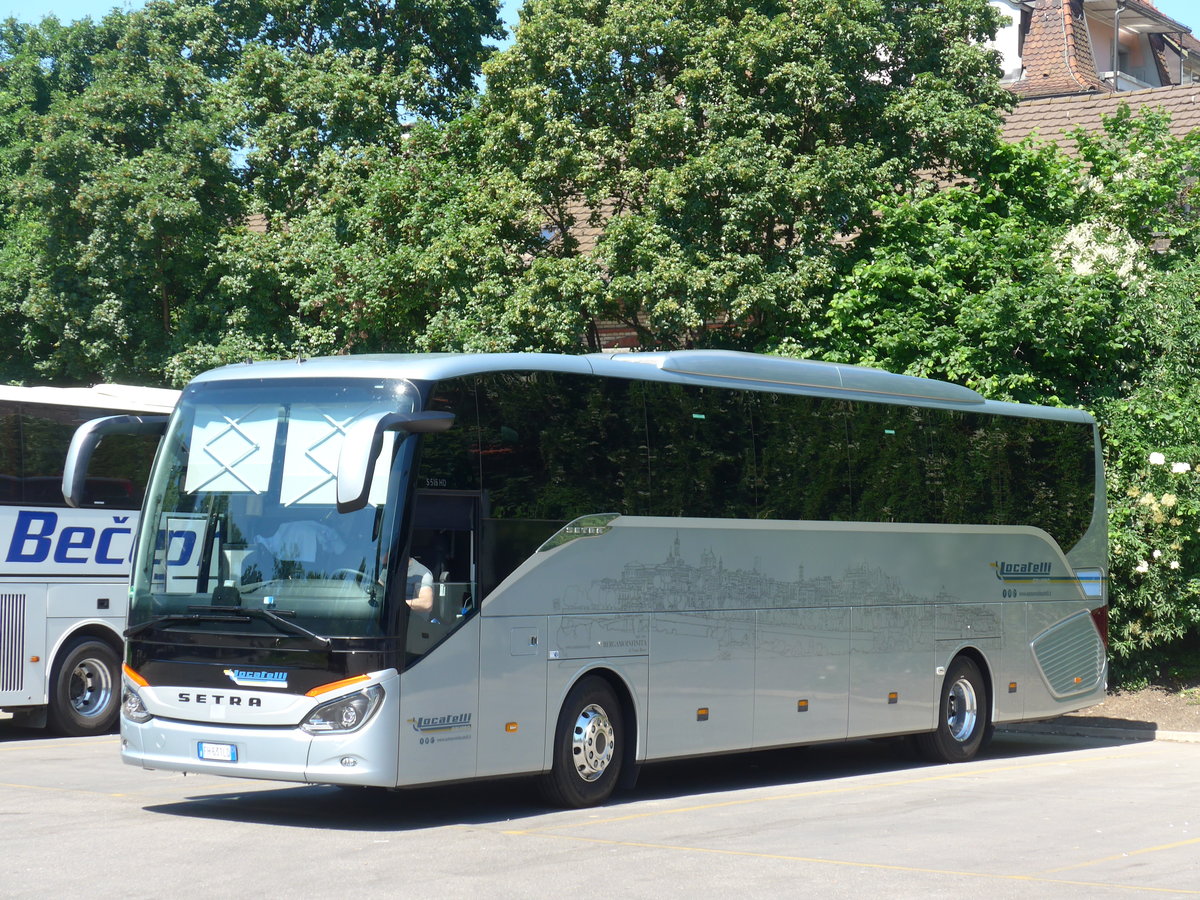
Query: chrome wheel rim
[[90, 688], [592, 743], [962, 710]]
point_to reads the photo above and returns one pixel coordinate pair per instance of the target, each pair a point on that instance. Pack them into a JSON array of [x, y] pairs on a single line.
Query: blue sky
[[1184, 11], [70, 10]]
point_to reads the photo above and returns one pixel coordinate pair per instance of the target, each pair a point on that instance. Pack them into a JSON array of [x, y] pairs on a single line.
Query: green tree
[[1002, 284], [39, 64], [721, 152], [333, 77], [126, 192], [1051, 280], [134, 151], [1152, 448], [416, 252]]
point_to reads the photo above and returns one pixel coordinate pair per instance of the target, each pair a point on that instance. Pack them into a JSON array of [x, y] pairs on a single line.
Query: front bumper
[[279, 753]]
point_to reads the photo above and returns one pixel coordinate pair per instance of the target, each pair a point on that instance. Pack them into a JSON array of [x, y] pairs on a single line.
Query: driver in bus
[[419, 588]]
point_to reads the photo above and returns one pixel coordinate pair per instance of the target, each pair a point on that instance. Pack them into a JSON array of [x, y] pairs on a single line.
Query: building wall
[[1008, 39]]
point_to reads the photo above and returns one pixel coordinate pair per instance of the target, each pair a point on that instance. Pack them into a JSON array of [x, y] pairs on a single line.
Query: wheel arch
[[91, 630], [619, 683], [980, 659]]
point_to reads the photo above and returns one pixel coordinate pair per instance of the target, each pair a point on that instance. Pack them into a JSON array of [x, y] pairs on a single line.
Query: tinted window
[[33, 447], [805, 463], [545, 448], [542, 448], [947, 467], [703, 456], [10, 453]]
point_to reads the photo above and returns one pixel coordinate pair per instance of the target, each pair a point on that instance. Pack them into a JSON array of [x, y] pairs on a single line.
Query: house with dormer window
[[1054, 48]]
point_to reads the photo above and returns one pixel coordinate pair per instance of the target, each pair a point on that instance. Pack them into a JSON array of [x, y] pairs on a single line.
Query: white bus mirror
[[361, 446], [85, 440]]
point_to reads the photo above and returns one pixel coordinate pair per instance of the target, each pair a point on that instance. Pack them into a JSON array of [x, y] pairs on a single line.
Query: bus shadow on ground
[[702, 780]]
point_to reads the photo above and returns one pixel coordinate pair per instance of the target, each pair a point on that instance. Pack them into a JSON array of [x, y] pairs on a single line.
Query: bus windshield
[[248, 537]]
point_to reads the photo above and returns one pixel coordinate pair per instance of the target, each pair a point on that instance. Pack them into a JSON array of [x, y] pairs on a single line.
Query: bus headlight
[[345, 714], [132, 706]]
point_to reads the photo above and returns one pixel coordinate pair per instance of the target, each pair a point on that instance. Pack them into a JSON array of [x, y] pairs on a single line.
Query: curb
[[1066, 729]]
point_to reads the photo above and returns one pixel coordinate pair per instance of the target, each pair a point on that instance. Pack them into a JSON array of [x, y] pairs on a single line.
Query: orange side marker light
[[335, 685]]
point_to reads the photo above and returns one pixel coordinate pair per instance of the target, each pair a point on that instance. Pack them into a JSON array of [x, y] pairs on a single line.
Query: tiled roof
[[1057, 56], [1054, 118]]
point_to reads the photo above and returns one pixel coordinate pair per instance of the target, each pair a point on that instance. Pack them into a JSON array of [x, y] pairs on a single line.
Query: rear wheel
[[588, 747], [963, 720], [84, 689]]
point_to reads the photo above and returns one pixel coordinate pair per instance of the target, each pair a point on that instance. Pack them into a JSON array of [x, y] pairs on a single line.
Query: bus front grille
[[12, 641]]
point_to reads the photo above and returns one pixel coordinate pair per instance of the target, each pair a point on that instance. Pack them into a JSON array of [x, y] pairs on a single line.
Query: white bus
[[64, 572], [404, 570]]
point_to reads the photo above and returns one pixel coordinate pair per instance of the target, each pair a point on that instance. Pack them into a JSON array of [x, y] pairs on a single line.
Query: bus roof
[[725, 368], [132, 398]]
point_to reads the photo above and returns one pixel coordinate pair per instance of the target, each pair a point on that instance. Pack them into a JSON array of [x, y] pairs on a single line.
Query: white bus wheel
[[588, 750], [962, 715], [84, 689]]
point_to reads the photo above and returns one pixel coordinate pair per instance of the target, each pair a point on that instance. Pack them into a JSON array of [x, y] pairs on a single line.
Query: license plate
[[218, 752]]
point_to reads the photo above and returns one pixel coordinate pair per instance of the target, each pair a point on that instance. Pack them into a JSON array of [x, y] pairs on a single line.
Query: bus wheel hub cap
[[962, 711], [592, 743]]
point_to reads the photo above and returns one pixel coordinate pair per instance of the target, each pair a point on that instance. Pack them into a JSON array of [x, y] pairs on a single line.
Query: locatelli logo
[[1025, 572], [428, 724], [246, 678]]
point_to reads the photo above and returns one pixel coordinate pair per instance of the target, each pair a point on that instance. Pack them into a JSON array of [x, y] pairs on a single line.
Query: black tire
[[588, 747], [963, 716], [85, 689]]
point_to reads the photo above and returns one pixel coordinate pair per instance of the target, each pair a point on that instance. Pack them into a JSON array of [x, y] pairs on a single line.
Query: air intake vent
[[12, 642], [1071, 656]]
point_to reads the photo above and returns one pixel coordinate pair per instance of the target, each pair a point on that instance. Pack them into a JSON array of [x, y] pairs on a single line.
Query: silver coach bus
[[403, 570]]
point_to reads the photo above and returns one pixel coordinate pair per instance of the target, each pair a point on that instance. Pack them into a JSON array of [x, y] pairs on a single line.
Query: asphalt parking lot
[[1037, 816]]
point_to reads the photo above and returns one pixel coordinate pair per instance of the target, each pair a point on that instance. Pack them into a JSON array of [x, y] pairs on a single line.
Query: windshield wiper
[[171, 618], [229, 614], [276, 618]]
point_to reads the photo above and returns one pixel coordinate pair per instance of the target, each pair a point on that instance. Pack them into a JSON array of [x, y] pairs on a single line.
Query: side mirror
[[85, 440], [361, 446]]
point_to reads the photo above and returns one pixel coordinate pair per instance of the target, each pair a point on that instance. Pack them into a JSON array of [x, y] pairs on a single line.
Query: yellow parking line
[[1034, 879], [1117, 856], [59, 790]]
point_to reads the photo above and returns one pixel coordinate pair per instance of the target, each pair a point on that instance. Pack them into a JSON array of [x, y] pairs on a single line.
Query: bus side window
[[10, 454]]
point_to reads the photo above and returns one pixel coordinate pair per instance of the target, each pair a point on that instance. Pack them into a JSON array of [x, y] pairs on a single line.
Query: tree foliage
[[1051, 279], [135, 151], [720, 150]]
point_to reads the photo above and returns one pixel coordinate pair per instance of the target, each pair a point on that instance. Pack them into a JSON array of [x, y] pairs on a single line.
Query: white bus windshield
[[248, 532]]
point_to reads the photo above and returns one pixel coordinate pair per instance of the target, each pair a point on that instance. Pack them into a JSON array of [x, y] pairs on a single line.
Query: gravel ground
[[1165, 708]]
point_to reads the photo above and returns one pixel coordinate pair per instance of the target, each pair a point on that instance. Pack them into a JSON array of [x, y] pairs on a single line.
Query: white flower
[[1096, 246], [1169, 500], [1157, 554], [1174, 564], [1143, 567], [1180, 468], [1157, 459]]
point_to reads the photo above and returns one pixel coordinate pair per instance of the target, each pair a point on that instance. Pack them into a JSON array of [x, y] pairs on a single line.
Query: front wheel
[[588, 747], [84, 690], [963, 720]]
